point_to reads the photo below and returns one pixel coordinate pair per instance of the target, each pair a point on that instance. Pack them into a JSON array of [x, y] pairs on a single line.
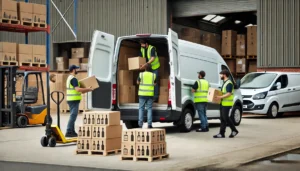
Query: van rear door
[[175, 81], [100, 65]]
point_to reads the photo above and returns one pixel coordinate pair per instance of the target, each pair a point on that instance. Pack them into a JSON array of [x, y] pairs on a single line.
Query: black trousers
[[225, 119]]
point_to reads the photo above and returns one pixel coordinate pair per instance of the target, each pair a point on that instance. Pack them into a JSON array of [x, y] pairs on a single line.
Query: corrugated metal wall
[[188, 8], [278, 33], [117, 17]]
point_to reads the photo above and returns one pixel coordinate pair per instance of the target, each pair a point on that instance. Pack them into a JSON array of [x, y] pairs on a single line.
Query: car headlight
[[260, 95]]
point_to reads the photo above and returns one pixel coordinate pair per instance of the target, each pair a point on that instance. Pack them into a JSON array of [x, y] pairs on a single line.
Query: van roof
[[274, 72]]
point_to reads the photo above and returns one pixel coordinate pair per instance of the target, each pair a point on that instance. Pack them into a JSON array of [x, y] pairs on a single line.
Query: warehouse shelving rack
[[27, 29]]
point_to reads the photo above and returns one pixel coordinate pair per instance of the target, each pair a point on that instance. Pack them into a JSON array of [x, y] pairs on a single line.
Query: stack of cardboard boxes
[[252, 40], [8, 10], [39, 15], [143, 143], [79, 58], [8, 52], [62, 63], [100, 134], [191, 34], [241, 45], [229, 38], [25, 13], [39, 54], [211, 40], [25, 54]]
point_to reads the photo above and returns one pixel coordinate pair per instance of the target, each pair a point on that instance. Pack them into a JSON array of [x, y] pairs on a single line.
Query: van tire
[[187, 120], [273, 111], [236, 115], [131, 124]]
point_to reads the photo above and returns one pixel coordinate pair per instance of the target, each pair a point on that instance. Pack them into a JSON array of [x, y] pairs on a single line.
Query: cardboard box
[[212, 40], [89, 82], [39, 58], [11, 15], [107, 117], [106, 132], [8, 5], [163, 90], [125, 77], [128, 150], [241, 65], [212, 93], [89, 118], [75, 61], [252, 40], [24, 58], [85, 132], [252, 66], [127, 94], [105, 144], [84, 144], [191, 39], [150, 150], [8, 56], [8, 47], [150, 135], [190, 32], [39, 49], [163, 99], [24, 49], [231, 63], [164, 82], [25, 7], [135, 63], [128, 136], [25, 17], [240, 48], [62, 66], [1, 56], [39, 9], [83, 66], [41, 18], [62, 59], [78, 53], [229, 38], [85, 60]]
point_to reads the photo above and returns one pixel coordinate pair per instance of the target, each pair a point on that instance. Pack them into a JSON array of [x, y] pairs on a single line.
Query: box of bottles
[[83, 144], [85, 132], [128, 136], [150, 135], [107, 132], [150, 150], [105, 144], [101, 118], [128, 149]]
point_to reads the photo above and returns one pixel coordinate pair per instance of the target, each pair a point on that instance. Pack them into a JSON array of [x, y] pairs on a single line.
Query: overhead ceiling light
[[237, 22], [209, 17], [217, 19]]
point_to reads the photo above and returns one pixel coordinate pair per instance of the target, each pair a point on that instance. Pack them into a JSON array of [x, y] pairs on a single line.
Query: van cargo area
[[127, 79]]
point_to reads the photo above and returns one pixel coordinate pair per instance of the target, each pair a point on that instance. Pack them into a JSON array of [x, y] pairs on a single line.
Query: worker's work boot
[[71, 134]]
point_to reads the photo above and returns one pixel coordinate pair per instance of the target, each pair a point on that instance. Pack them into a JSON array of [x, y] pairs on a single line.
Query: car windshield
[[257, 80]]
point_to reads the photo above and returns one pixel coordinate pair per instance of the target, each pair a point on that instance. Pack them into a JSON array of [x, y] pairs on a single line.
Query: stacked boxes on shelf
[[140, 144], [25, 13], [39, 55], [62, 63], [25, 54], [78, 58], [241, 45], [252, 41], [229, 38], [211, 40], [100, 134], [8, 12], [8, 53], [39, 15], [191, 34]]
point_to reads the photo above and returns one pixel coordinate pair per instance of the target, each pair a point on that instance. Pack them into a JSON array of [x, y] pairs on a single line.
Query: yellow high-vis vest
[[146, 87], [228, 101], [202, 91], [72, 94], [155, 64]]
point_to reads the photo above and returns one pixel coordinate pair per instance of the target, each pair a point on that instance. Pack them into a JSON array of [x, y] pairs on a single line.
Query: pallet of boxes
[[100, 133], [8, 54], [144, 144]]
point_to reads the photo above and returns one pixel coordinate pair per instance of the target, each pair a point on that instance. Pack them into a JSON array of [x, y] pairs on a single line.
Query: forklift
[[19, 109]]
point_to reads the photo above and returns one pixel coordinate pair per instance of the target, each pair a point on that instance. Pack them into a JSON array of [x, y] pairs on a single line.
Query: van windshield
[[257, 80]]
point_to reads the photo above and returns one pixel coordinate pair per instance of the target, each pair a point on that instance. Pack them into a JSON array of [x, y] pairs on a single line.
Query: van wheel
[[273, 111], [236, 115], [131, 124], [187, 120]]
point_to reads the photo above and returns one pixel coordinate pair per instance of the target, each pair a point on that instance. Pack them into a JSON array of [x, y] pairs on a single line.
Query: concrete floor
[[259, 137]]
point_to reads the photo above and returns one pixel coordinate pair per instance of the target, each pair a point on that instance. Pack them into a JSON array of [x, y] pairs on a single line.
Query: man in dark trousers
[[226, 104], [73, 99], [146, 82], [200, 90]]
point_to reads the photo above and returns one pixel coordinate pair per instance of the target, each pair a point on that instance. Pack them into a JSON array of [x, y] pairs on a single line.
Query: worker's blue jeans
[[156, 88], [201, 109], [74, 107], [145, 102]]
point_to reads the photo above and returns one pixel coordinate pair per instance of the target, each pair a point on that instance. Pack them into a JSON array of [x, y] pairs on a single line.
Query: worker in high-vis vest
[[146, 82], [226, 105], [200, 90], [149, 52], [73, 99]]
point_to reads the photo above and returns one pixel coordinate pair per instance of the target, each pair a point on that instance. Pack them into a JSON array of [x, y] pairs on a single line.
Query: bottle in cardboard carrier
[[143, 137], [125, 137], [94, 146], [132, 137], [161, 136], [88, 132], [84, 119], [98, 133], [153, 150], [83, 132], [78, 145], [161, 152], [102, 132], [87, 145], [125, 150], [143, 151], [138, 151], [102, 120], [147, 151], [82, 145], [89, 120], [98, 120], [138, 137], [157, 136], [164, 152], [131, 151], [106, 120], [79, 132], [147, 137], [98, 146], [102, 146], [93, 119], [94, 133]]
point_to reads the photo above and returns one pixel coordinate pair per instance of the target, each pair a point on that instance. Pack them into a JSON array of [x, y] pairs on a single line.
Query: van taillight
[[114, 94], [169, 100]]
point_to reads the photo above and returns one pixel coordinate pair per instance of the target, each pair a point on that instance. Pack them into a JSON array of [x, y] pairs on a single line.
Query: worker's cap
[[72, 67]]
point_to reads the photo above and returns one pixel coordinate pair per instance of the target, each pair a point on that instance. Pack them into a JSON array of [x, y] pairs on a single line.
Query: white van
[[271, 93], [184, 60]]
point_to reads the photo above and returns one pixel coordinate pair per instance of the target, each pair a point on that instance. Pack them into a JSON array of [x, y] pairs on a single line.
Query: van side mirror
[[278, 85], [237, 84]]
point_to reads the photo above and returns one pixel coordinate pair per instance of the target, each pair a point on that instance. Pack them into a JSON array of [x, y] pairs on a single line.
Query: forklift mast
[[8, 96]]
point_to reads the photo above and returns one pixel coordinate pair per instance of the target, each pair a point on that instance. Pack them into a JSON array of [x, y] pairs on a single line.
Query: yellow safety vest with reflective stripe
[[202, 91], [155, 64], [72, 94], [146, 87], [229, 100]]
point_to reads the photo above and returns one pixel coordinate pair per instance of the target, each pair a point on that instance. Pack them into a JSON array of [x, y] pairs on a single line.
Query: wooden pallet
[[228, 56], [240, 56], [37, 64], [41, 25], [149, 159], [66, 111], [252, 57], [26, 23], [9, 63], [25, 64], [9, 21], [99, 153]]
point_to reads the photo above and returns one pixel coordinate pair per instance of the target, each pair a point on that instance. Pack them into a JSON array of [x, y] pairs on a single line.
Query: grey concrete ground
[[258, 138]]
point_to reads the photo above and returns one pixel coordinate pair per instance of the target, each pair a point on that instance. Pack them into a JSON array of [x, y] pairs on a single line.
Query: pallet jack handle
[[58, 101]]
